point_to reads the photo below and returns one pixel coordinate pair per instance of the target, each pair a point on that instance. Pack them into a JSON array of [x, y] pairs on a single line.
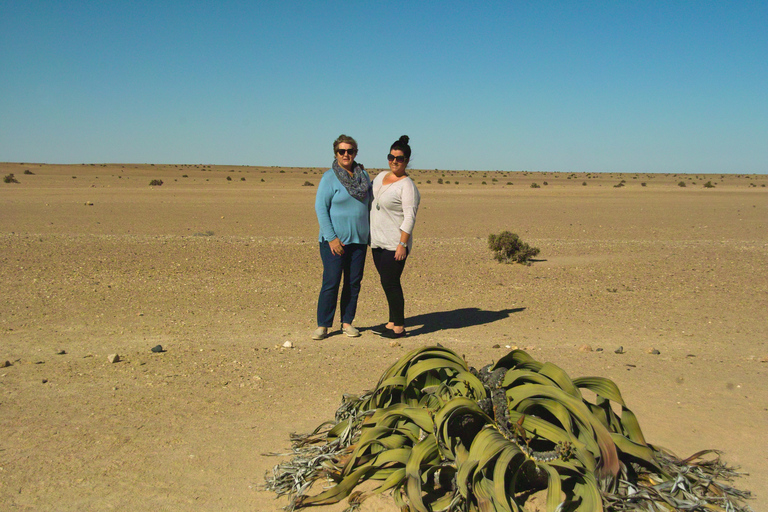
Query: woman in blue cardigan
[[342, 204]]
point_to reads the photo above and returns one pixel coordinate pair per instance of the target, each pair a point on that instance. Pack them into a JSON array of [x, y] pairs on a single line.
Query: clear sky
[[624, 86]]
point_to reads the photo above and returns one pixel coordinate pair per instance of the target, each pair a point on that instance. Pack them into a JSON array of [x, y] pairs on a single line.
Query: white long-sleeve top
[[393, 210]]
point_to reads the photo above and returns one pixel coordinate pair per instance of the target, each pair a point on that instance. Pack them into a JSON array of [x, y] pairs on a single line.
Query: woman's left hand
[[400, 253]]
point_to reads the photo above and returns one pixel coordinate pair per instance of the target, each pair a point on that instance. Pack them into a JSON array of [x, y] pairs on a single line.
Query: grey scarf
[[357, 185]]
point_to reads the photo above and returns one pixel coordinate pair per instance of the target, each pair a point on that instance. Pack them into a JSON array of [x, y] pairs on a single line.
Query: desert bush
[[155, 183], [545, 183], [185, 176], [508, 248], [535, 185], [27, 171], [709, 185], [429, 181], [583, 183], [681, 184], [509, 183], [10, 178], [308, 184], [229, 178], [439, 181], [242, 178]]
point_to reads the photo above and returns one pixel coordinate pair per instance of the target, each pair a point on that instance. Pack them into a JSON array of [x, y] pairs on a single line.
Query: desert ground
[[219, 265]]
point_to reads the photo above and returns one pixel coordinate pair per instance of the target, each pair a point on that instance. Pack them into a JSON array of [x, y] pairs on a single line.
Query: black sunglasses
[[400, 158], [343, 152]]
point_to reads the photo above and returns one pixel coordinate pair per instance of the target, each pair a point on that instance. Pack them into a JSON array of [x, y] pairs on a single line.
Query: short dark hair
[[344, 139], [401, 144]]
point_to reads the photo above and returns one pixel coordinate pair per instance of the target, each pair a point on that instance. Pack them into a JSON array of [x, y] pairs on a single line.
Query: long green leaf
[[601, 386], [554, 487], [521, 377], [423, 452], [609, 461], [560, 378]]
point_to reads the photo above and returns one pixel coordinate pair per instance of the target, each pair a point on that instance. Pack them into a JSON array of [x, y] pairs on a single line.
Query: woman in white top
[[393, 216]]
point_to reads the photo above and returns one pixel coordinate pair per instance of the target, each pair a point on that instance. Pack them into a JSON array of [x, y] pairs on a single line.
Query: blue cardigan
[[339, 214]]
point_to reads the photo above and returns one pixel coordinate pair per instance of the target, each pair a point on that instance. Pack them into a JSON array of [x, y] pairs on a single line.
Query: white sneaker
[[350, 331], [320, 333]]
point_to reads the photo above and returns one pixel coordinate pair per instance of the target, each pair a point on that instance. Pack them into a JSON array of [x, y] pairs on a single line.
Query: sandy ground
[[220, 266]]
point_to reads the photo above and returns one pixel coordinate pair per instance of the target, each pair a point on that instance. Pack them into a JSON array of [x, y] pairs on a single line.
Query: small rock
[[619, 350], [599, 349], [496, 346], [288, 344], [653, 351], [113, 358], [157, 348], [394, 343], [5, 364], [585, 348], [89, 203], [45, 381], [61, 352], [763, 360]]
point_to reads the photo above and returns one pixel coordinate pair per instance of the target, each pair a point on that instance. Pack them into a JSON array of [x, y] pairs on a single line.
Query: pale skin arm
[[401, 252]]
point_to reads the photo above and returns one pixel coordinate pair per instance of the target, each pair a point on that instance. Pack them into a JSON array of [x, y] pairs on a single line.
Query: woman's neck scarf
[[357, 185]]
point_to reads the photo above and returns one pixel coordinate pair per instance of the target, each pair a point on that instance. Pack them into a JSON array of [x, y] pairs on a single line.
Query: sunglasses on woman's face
[[400, 158], [343, 152]]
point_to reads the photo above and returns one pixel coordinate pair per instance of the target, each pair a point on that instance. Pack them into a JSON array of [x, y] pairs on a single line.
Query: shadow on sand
[[454, 319]]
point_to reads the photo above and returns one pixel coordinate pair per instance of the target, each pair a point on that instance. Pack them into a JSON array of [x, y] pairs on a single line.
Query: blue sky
[[542, 86]]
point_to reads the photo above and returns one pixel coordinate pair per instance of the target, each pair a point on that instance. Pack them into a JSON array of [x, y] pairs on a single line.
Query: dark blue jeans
[[348, 266]]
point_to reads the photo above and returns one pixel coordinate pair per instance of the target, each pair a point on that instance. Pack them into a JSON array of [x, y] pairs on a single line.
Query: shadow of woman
[[455, 319]]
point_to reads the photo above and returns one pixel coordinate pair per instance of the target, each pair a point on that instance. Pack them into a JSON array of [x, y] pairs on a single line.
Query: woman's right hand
[[337, 248]]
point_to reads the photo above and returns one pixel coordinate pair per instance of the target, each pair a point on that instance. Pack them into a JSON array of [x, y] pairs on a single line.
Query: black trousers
[[390, 271]]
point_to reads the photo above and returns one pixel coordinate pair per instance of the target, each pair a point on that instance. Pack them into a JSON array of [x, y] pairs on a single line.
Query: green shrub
[[308, 184], [709, 185], [681, 184], [535, 185], [229, 178], [10, 178], [508, 248], [155, 183], [439, 181], [27, 171]]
